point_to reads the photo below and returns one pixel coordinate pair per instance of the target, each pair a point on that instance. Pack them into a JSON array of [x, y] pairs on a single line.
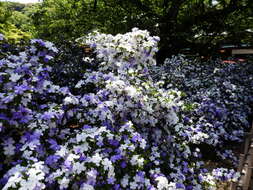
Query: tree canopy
[[15, 22], [201, 25]]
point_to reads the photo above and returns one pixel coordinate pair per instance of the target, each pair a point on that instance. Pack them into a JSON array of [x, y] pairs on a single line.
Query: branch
[[213, 15], [172, 12], [95, 5], [141, 6], [165, 4]]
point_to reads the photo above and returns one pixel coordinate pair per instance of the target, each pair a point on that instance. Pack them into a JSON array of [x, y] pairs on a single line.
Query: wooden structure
[[245, 166], [236, 50], [242, 51]]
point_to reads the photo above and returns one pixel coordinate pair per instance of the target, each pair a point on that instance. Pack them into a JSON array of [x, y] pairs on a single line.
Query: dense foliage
[[15, 21], [201, 25], [124, 124]]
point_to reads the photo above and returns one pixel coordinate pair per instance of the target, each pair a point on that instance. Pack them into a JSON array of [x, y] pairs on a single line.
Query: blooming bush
[[219, 95], [116, 128]]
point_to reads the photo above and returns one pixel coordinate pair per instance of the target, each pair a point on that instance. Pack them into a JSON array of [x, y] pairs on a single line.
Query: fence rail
[[245, 166]]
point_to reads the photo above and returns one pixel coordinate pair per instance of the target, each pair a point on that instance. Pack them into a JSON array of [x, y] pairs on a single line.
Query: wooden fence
[[245, 166]]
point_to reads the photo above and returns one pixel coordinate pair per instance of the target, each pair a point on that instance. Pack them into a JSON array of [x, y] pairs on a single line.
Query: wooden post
[[245, 165], [248, 168]]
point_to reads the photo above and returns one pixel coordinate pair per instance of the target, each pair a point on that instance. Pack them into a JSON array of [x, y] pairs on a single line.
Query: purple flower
[[189, 187], [111, 180], [117, 151], [91, 177], [47, 115], [64, 90], [16, 162], [52, 160], [68, 164], [87, 127], [100, 143], [116, 158], [136, 138], [200, 178], [53, 144], [180, 185], [123, 164], [3, 116], [107, 150], [18, 146], [31, 136], [82, 158], [147, 53], [46, 59], [116, 187], [3, 181], [113, 142], [20, 89], [42, 53], [151, 187]]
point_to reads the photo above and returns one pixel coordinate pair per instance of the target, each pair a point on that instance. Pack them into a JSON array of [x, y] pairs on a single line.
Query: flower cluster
[[116, 128], [219, 97]]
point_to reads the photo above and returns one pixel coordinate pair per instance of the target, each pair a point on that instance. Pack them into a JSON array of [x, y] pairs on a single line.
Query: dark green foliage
[[201, 25], [15, 23]]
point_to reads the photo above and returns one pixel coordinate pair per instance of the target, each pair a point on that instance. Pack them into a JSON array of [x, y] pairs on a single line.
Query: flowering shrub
[[219, 95], [116, 128]]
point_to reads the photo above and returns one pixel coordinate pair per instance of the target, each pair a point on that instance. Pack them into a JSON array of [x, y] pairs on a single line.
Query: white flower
[[147, 182], [131, 91], [124, 182], [81, 137], [51, 46], [15, 77], [78, 167], [96, 159], [162, 183], [143, 144], [33, 50], [173, 119], [64, 182], [1, 37], [9, 148], [71, 157], [133, 185], [136, 160], [178, 127], [62, 152], [23, 56], [48, 44], [172, 186], [86, 187], [48, 57], [27, 154], [70, 100], [107, 163], [36, 174], [13, 181], [27, 185], [79, 85]]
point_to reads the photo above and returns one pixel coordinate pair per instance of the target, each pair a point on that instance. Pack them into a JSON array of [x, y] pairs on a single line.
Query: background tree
[[14, 24], [67, 19], [197, 24]]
